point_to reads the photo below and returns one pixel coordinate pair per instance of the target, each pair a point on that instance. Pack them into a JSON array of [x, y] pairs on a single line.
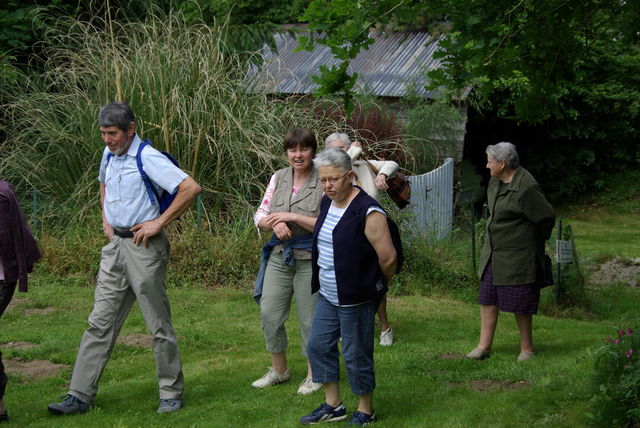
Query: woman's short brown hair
[[302, 137]]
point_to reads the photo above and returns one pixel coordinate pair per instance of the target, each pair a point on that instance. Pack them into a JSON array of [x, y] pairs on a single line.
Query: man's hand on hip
[[108, 230], [144, 231]]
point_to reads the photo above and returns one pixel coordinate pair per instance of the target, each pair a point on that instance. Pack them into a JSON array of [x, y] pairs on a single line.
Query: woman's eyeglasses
[[333, 180]]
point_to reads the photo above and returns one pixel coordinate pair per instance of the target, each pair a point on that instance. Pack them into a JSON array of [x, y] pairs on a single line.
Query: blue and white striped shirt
[[327, 273]]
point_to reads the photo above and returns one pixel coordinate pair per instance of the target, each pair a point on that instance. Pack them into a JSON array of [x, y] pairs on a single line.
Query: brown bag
[[399, 187]]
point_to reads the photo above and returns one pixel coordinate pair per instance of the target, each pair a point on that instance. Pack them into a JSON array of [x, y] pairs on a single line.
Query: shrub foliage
[[617, 364]]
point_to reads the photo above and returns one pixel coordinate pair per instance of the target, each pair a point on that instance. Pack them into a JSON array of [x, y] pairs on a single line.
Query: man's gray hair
[[504, 151], [118, 114], [334, 157], [338, 136]]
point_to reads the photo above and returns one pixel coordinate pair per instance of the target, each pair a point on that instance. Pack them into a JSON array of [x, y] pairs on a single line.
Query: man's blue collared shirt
[[126, 200]]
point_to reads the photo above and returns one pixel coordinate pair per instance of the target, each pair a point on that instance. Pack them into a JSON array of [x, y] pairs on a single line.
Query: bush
[[72, 254], [436, 130], [617, 380], [373, 125], [572, 292], [436, 267], [229, 256]]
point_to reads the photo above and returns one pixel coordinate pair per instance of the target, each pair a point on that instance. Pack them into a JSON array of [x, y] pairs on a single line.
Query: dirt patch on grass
[[483, 385], [491, 385], [40, 311], [19, 345], [36, 369], [618, 269], [17, 301], [451, 356], [139, 340]]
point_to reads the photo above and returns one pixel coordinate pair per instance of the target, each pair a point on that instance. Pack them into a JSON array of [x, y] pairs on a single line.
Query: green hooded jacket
[[520, 221]]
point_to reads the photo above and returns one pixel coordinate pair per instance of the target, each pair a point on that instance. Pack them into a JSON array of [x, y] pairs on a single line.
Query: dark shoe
[[325, 413], [169, 406], [4, 417], [70, 406], [361, 419]]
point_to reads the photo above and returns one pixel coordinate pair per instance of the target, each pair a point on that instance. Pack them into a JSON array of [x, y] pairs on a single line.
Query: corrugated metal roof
[[395, 64]]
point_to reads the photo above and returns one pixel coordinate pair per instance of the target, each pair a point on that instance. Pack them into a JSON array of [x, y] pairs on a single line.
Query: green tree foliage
[[249, 24], [243, 12], [534, 53], [343, 26], [530, 54], [23, 25], [567, 67]]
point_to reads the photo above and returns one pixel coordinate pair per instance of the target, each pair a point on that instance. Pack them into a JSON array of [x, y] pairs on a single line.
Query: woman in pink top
[[289, 209]]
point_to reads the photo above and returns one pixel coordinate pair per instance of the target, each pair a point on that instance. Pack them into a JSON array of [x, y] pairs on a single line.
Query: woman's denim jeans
[[355, 325]]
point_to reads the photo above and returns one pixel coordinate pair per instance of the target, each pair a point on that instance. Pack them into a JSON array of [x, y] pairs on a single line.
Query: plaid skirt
[[518, 299]]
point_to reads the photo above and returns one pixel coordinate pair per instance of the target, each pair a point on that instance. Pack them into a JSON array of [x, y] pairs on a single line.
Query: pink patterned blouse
[[265, 206]]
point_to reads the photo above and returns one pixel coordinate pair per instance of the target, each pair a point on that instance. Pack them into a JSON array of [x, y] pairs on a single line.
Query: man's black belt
[[123, 233]]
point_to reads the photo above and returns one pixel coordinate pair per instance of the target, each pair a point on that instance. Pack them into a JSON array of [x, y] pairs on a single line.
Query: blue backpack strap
[[151, 189], [109, 156]]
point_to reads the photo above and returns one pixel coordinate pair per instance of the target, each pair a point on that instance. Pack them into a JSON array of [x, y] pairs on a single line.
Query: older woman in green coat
[[520, 221]]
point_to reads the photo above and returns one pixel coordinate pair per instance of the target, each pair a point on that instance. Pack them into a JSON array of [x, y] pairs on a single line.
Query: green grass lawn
[[608, 223], [422, 379], [599, 233]]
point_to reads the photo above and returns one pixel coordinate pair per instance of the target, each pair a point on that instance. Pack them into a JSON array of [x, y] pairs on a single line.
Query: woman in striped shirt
[[353, 259]]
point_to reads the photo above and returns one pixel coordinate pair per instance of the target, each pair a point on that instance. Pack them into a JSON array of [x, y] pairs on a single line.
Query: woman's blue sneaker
[[325, 413], [359, 418]]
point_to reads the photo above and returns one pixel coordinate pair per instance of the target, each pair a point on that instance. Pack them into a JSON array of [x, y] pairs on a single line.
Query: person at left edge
[[18, 252], [133, 263]]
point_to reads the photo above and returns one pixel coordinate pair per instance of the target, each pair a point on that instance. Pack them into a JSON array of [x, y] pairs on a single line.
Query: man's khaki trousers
[[129, 272]]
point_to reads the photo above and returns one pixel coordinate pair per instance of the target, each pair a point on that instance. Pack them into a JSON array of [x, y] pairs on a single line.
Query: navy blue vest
[[358, 272]]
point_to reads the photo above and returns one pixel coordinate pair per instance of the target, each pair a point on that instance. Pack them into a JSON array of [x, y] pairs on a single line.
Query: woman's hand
[[272, 219], [278, 222], [282, 231], [381, 182]]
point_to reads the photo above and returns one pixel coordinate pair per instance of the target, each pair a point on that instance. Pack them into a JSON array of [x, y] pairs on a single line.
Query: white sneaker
[[386, 338], [271, 378], [308, 386]]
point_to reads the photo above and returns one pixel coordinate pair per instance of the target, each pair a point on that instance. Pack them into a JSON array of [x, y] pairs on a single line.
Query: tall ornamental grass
[[190, 98]]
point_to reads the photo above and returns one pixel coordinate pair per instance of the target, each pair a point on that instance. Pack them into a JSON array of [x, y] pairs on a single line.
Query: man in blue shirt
[[130, 271]]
